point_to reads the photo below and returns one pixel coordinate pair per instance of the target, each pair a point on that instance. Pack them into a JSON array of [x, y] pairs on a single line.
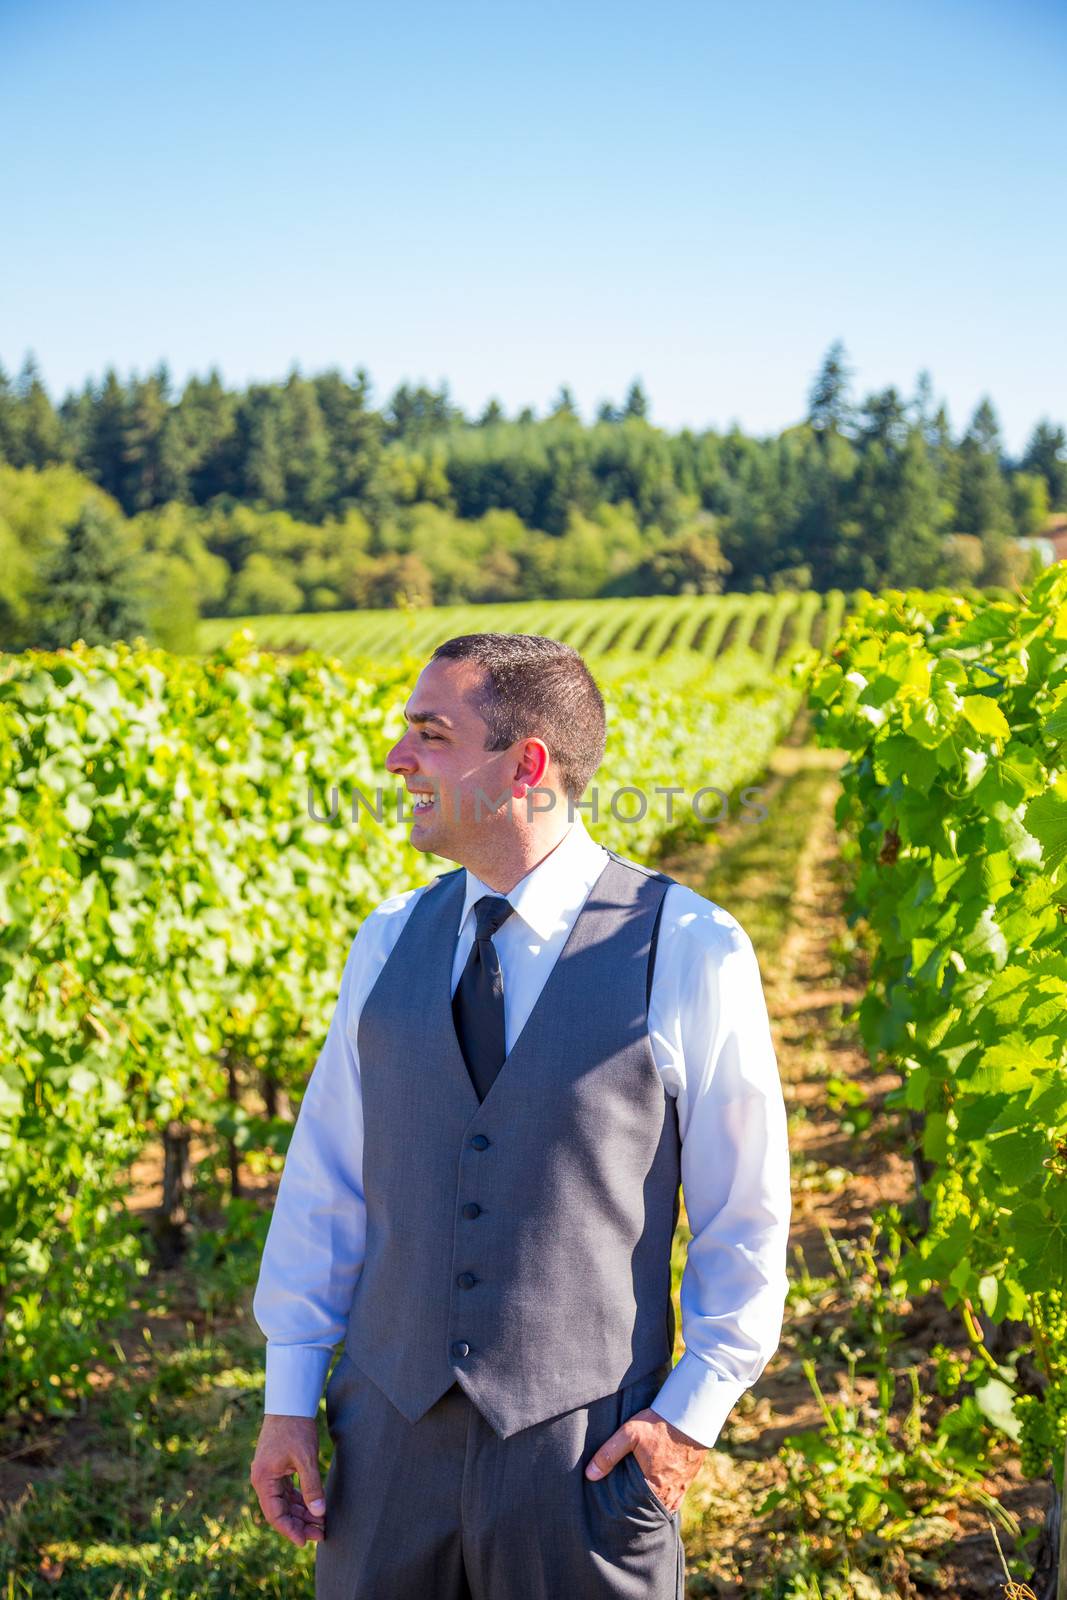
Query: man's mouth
[[423, 800]]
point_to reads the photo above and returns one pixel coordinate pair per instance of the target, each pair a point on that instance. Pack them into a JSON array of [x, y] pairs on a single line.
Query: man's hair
[[536, 688]]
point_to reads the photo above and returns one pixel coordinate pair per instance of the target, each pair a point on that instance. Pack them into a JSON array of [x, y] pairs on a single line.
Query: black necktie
[[478, 1003]]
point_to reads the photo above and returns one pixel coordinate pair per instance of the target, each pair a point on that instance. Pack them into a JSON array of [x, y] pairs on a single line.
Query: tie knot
[[491, 911]]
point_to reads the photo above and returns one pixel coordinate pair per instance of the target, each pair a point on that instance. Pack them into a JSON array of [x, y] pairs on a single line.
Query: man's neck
[[502, 869]]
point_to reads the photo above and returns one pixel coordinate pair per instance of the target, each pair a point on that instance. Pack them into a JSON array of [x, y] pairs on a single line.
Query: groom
[[528, 1055]]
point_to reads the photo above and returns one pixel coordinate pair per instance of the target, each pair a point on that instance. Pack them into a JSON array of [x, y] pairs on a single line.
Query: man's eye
[[431, 735]]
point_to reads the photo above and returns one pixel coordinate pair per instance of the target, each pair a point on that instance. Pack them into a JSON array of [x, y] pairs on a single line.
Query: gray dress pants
[[444, 1509]]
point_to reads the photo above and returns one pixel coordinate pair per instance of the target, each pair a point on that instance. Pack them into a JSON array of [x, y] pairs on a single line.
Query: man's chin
[[432, 835], [425, 830]]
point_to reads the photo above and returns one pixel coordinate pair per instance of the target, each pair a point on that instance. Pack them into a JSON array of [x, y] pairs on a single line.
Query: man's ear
[[533, 763]]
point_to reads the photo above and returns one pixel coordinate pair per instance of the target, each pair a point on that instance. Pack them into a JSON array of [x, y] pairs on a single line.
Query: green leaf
[[900, 757], [985, 716], [1046, 818], [985, 938], [1009, 1065], [1017, 1155], [1005, 831], [998, 870], [961, 1274], [1039, 1235], [935, 1136], [1013, 777], [988, 1288], [995, 1399], [77, 813]]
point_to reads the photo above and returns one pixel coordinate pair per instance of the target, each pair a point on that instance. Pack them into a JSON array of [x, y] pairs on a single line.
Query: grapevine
[[175, 940], [953, 714]]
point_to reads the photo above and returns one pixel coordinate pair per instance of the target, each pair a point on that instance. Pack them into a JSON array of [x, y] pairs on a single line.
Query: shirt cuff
[[697, 1399], [295, 1376]]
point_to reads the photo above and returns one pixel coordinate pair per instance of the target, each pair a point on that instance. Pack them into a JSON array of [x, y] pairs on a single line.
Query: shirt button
[[479, 1142], [471, 1209], [466, 1280], [460, 1348]]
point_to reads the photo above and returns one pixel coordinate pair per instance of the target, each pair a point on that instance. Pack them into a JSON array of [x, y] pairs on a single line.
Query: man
[[528, 1055]]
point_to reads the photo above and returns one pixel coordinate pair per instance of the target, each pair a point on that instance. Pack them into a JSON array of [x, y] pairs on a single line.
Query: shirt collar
[[558, 884]]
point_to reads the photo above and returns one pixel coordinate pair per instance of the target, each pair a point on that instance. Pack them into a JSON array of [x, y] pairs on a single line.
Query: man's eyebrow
[[428, 716]]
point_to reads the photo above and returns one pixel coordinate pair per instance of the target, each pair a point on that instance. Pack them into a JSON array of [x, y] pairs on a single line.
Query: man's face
[[443, 761]]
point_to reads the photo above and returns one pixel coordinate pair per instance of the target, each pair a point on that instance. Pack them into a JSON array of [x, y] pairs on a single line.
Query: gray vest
[[520, 1246]]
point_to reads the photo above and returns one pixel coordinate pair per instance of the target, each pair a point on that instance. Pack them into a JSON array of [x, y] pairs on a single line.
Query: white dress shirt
[[712, 1046]]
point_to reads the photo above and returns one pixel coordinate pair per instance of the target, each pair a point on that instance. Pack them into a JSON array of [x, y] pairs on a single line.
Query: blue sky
[[510, 197]]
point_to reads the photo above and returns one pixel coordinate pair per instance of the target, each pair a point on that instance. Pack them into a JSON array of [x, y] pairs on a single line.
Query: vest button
[[466, 1280], [471, 1209], [460, 1348], [479, 1142]]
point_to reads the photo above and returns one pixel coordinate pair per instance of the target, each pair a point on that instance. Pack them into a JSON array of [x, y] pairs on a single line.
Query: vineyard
[[762, 628], [177, 896]]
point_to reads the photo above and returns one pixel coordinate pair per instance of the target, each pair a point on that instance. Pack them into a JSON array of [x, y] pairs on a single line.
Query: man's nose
[[398, 759]]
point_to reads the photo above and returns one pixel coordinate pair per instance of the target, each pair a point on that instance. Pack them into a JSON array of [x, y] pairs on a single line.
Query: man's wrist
[[697, 1400], [295, 1375]]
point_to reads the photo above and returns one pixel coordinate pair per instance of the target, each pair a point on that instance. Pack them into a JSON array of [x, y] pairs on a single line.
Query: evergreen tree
[[897, 506], [923, 403], [984, 504], [768, 495], [828, 402], [1029, 503], [414, 415], [151, 450], [42, 440], [262, 427], [564, 404], [570, 484], [826, 536], [309, 478], [11, 423], [1046, 453], [209, 439], [944, 458], [983, 499], [90, 588], [76, 414], [355, 437], [108, 437], [636, 402], [884, 417], [492, 413]]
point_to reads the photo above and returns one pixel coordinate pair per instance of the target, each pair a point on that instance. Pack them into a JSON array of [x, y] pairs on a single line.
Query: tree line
[[302, 495]]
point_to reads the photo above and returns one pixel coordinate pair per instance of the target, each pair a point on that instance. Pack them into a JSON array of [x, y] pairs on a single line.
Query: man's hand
[[287, 1445], [669, 1458]]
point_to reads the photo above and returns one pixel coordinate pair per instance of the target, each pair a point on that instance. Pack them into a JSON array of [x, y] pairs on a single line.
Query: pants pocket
[[644, 1488], [635, 1397]]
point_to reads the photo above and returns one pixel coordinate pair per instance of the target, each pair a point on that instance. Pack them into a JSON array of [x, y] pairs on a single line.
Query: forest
[[129, 508]]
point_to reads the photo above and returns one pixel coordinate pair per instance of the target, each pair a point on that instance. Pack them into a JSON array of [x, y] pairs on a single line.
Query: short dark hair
[[536, 688]]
